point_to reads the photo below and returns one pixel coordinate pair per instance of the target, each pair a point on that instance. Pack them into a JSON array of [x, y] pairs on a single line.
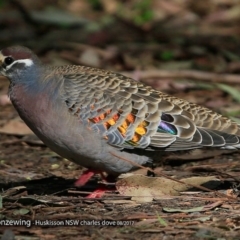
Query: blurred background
[[187, 48], [178, 46]]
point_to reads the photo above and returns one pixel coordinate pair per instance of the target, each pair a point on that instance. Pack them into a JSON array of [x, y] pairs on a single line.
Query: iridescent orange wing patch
[[140, 130]]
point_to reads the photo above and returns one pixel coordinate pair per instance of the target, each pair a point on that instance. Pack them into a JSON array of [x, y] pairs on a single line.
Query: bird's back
[[130, 114], [98, 118]]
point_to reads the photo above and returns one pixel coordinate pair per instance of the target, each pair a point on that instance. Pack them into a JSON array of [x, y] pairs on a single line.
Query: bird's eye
[[8, 60]]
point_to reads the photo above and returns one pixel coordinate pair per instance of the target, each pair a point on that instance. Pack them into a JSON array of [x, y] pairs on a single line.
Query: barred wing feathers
[[130, 114]]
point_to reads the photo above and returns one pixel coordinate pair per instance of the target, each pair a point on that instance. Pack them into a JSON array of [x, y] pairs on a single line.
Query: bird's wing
[[130, 114]]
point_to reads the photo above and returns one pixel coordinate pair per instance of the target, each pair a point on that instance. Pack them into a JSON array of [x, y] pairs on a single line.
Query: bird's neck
[[33, 89], [33, 82]]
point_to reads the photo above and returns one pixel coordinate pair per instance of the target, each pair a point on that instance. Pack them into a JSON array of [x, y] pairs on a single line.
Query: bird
[[105, 121]]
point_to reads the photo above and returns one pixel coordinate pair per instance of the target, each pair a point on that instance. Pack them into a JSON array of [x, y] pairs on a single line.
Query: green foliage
[[138, 11], [2, 3], [96, 4], [235, 94], [167, 55], [144, 12], [161, 220]]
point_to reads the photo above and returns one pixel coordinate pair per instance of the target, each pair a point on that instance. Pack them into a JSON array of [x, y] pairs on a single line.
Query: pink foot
[[97, 193], [85, 177]]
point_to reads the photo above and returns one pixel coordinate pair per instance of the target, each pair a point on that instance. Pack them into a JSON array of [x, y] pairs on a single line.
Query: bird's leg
[[98, 193], [85, 177]]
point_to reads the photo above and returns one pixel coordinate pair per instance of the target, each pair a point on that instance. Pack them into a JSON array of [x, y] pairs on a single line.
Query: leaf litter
[[145, 189], [36, 184]]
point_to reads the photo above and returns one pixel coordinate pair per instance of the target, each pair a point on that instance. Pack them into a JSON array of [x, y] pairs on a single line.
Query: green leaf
[[161, 220], [174, 210], [237, 120], [235, 93], [167, 55], [21, 211]]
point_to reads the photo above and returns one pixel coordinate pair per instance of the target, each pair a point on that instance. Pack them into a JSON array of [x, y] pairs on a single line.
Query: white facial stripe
[[28, 63]]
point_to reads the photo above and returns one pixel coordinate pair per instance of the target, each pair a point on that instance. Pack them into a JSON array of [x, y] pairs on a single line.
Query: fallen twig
[[189, 74]]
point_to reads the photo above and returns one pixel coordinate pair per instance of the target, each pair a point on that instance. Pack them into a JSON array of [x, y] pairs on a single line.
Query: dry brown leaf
[[90, 57], [4, 100], [110, 6], [145, 189], [15, 127]]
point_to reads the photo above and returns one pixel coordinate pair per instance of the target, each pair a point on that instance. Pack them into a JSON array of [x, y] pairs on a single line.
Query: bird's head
[[16, 63]]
